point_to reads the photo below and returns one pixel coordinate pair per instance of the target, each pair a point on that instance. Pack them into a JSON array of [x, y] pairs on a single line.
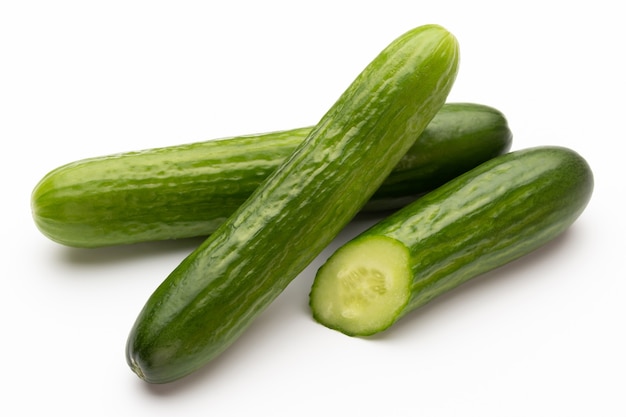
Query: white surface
[[543, 336]]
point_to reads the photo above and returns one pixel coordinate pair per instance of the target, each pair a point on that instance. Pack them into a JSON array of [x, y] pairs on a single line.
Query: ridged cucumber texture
[[483, 219], [208, 301], [189, 190]]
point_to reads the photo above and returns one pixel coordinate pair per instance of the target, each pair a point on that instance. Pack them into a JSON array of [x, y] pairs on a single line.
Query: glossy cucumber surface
[[482, 219], [206, 303], [189, 190]]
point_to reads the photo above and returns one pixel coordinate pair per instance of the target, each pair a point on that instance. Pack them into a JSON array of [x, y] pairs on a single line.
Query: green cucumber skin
[[156, 194], [217, 291], [460, 137], [487, 217], [189, 190]]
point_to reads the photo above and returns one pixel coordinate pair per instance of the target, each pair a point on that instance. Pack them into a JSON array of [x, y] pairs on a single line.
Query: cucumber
[[483, 219], [206, 303], [189, 190]]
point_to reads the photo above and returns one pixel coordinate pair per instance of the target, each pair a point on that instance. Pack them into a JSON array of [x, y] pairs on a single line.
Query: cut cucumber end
[[363, 287]]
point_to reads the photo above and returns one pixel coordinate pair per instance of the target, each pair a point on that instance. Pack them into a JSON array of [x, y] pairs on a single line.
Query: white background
[[543, 336]]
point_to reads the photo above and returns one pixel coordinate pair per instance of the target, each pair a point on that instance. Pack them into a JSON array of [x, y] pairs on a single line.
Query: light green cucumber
[[189, 190], [483, 219], [208, 301]]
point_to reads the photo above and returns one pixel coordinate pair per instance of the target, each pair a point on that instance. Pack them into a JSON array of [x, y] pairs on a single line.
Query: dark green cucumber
[[189, 190], [483, 219], [216, 292], [460, 137]]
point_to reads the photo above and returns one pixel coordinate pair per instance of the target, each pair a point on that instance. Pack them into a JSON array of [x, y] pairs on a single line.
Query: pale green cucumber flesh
[[364, 286], [481, 220], [218, 290]]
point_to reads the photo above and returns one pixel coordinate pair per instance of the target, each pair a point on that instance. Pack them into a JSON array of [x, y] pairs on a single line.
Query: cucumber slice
[[365, 285]]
